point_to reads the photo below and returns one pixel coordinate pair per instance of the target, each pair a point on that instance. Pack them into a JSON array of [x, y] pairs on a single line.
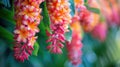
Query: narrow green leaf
[[72, 7], [42, 28], [95, 10], [7, 36], [45, 15], [12, 6], [68, 35], [92, 9], [85, 1], [7, 15], [36, 49]]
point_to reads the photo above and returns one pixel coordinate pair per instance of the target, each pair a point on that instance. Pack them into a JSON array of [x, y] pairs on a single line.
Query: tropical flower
[[87, 19], [27, 17], [111, 11], [100, 31], [60, 17], [74, 47]]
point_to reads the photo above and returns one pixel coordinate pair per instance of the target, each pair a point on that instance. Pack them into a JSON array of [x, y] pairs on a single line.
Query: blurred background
[[97, 51]]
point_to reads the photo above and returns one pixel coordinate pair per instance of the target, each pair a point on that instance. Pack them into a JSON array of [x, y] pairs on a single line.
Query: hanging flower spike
[[74, 47], [82, 14], [88, 20], [100, 31], [60, 17], [110, 11], [27, 17]]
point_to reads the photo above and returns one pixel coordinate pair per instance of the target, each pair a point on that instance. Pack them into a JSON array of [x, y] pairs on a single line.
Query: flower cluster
[[100, 31], [110, 11], [60, 17], [87, 19], [27, 17], [74, 47]]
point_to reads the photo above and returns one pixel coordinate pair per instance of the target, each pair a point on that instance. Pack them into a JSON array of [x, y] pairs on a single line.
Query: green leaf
[[7, 15], [92, 9], [36, 49], [42, 28], [95, 10], [46, 19], [12, 6], [85, 1], [68, 35], [7, 36], [72, 7]]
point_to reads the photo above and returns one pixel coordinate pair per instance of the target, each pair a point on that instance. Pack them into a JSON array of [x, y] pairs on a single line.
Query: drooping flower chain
[[27, 17], [60, 17], [74, 47], [87, 19]]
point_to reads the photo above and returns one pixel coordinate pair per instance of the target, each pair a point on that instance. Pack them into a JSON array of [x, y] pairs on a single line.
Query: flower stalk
[[27, 17], [59, 12]]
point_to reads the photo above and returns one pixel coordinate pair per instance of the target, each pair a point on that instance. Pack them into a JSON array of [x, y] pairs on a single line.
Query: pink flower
[[86, 18], [74, 49], [100, 31], [27, 17], [60, 17], [22, 51]]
